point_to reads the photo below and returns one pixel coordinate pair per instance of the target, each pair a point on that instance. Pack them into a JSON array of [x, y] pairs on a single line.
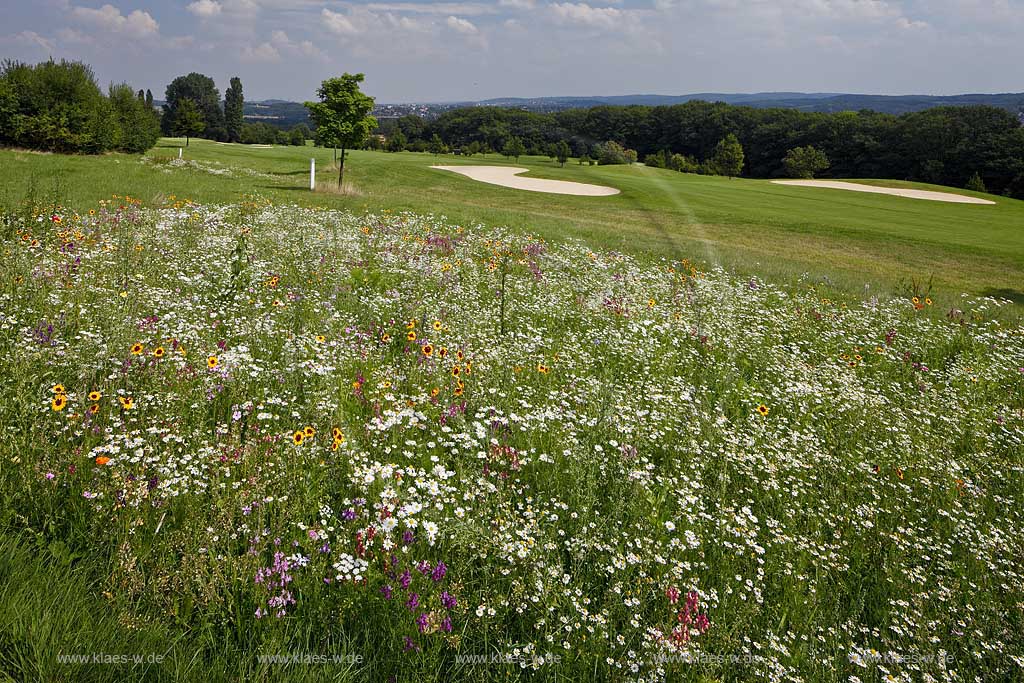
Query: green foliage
[[805, 162], [397, 142], [612, 153], [342, 116], [57, 106], [188, 120], [234, 103], [514, 148], [976, 184], [203, 93], [137, 128], [562, 152], [437, 145], [728, 157], [297, 137]]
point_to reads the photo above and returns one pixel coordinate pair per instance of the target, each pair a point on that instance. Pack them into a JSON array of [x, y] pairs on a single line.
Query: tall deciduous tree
[[188, 120], [233, 106], [342, 116], [728, 157], [204, 95]]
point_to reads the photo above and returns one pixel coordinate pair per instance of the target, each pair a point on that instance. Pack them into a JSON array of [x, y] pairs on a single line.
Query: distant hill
[[285, 114]]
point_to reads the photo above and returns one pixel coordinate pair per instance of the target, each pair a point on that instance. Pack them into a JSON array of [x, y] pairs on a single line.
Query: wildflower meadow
[[439, 451]]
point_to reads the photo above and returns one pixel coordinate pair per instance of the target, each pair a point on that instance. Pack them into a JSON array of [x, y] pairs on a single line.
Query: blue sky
[[465, 50]]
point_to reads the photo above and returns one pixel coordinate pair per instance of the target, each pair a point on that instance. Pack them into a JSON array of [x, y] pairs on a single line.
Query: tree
[[514, 148], [149, 98], [342, 114], [204, 95], [976, 184], [397, 142], [437, 145], [234, 103], [137, 129], [728, 157], [296, 137], [563, 151], [188, 121], [804, 162], [472, 148]]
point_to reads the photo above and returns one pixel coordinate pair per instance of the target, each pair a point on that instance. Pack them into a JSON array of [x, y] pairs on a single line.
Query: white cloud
[[443, 8], [461, 26], [518, 4], [338, 23], [109, 18], [264, 52], [204, 8], [582, 14], [303, 48], [33, 38]]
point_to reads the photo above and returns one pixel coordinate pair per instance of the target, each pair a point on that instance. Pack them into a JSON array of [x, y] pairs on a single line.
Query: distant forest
[[943, 145]]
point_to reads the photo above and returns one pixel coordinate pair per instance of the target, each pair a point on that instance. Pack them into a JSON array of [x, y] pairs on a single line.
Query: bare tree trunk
[[341, 167]]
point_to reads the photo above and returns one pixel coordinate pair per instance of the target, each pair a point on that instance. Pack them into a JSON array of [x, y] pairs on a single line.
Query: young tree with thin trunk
[[342, 115], [562, 152], [188, 120]]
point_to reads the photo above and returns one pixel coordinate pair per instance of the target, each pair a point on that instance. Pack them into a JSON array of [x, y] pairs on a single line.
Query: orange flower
[[137, 349], [427, 350], [158, 352], [309, 432], [297, 438], [94, 408], [211, 362], [126, 402], [95, 396], [763, 410], [102, 460], [59, 401], [411, 335]]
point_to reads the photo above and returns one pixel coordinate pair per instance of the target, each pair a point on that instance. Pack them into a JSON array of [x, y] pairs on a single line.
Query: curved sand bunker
[[508, 176], [899, 192]]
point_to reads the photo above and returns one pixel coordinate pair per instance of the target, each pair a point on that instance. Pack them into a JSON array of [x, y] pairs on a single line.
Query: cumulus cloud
[[461, 26], [303, 48], [338, 23], [109, 18], [205, 8], [264, 52]]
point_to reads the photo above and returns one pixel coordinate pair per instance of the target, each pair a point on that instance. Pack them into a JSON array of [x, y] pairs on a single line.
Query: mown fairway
[[844, 239]]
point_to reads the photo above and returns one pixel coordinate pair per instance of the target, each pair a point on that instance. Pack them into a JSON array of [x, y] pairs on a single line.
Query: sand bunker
[[508, 176], [899, 192]]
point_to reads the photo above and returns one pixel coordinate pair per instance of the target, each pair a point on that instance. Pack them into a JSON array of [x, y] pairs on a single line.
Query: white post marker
[[312, 174], [179, 152]]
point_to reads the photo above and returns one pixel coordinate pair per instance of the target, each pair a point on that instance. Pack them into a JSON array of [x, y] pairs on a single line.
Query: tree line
[[980, 145], [59, 107]]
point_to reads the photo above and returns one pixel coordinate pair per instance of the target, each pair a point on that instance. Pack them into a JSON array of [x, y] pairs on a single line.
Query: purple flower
[[405, 579], [348, 515], [413, 602], [446, 625], [407, 538], [421, 622], [423, 567], [410, 644], [448, 600], [439, 571], [386, 590]]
